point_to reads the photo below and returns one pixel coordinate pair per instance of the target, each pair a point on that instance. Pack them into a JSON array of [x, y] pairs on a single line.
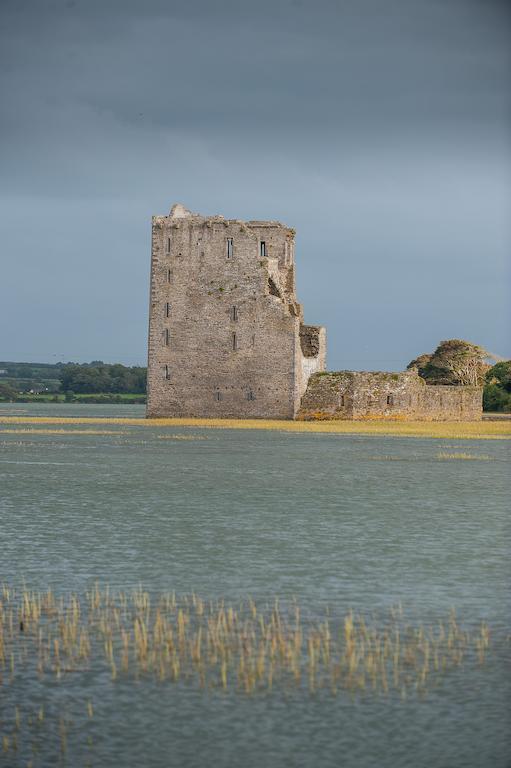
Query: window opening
[[167, 247], [167, 372], [272, 288], [234, 342], [230, 247], [250, 395], [167, 309], [218, 396], [167, 337], [234, 313], [390, 399], [342, 399], [262, 249]]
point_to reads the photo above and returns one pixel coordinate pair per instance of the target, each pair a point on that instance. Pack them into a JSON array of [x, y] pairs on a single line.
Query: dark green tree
[[7, 393]]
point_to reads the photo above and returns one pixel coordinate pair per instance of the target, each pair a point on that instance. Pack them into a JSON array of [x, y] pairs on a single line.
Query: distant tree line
[[78, 378], [98, 377]]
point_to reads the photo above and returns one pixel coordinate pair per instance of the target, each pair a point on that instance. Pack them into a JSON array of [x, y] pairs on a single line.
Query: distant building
[[227, 336]]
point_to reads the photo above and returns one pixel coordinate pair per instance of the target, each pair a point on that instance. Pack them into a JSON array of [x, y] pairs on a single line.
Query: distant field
[[475, 430]]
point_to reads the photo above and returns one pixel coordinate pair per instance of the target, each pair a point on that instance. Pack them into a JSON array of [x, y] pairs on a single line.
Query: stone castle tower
[[226, 332]]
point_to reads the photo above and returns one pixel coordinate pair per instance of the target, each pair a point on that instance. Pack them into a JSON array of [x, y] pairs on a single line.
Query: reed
[[463, 456], [245, 647]]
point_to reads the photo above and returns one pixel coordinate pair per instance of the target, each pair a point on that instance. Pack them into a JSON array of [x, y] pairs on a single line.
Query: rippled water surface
[[335, 521]]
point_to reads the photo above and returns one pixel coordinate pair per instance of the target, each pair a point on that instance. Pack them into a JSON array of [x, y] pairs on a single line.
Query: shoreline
[[499, 429]]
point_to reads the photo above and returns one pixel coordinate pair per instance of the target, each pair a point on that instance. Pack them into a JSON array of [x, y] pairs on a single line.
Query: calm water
[[333, 520]]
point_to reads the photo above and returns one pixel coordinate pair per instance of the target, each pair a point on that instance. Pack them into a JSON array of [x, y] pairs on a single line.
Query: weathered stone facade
[[227, 338], [226, 333], [376, 395]]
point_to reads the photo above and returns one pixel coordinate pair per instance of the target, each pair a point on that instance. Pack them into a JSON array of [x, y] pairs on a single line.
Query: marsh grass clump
[[463, 456], [243, 647], [181, 437]]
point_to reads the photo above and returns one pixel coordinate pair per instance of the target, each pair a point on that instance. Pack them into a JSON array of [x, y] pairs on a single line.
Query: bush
[[7, 393], [497, 390], [496, 399]]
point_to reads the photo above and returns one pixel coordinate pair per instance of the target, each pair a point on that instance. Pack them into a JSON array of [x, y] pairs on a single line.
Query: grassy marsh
[[476, 430]]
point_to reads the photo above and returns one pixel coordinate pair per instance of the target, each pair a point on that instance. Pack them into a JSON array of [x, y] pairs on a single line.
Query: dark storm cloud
[[379, 129]]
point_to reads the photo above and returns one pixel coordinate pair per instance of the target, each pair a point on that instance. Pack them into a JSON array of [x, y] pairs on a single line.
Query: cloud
[[380, 131]]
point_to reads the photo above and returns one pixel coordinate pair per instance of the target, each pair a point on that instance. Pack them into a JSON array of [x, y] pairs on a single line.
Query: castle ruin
[[226, 332], [227, 337]]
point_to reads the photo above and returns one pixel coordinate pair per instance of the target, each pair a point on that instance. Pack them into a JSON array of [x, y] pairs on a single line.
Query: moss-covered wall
[[367, 395]]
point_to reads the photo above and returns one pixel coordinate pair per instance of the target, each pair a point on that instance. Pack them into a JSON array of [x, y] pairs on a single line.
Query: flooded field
[[186, 596]]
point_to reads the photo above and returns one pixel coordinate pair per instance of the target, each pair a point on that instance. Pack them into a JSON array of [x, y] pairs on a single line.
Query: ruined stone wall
[[224, 331], [313, 353], [452, 403], [367, 395]]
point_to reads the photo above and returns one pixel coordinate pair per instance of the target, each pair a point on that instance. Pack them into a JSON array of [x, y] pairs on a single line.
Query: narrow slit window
[[166, 372], [169, 275], [234, 342], [218, 396], [167, 245], [230, 247], [390, 399], [167, 309], [342, 399], [234, 313], [250, 395], [262, 249], [167, 337]]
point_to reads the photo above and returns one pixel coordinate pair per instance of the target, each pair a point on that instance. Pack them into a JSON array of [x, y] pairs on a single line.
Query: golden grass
[[244, 647], [181, 437], [59, 431], [464, 456], [467, 430]]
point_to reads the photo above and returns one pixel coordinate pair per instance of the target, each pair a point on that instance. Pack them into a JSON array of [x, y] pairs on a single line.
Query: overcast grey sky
[[379, 129]]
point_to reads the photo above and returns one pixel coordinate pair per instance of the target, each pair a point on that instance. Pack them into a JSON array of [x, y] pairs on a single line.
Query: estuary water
[[335, 522]]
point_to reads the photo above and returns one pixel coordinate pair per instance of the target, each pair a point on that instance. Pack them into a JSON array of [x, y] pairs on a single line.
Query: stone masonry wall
[[313, 349], [366, 395], [224, 329]]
